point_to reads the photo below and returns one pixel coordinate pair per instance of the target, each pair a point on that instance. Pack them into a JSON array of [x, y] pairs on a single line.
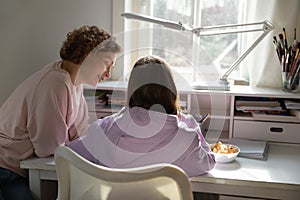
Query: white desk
[[278, 177], [39, 169]]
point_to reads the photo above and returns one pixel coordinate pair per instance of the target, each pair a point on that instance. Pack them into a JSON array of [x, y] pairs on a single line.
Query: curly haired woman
[[48, 109]]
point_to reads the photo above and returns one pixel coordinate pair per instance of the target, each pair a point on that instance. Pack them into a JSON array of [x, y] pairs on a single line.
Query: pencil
[[294, 62], [295, 43], [281, 40], [280, 43], [287, 65], [277, 50], [285, 39], [294, 76]]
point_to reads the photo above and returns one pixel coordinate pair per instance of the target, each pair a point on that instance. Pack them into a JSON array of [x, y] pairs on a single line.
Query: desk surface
[[39, 164], [186, 88], [280, 171], [274, 177]]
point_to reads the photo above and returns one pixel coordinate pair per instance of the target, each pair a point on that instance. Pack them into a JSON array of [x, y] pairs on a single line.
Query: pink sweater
[[136, 137], [45, 111]]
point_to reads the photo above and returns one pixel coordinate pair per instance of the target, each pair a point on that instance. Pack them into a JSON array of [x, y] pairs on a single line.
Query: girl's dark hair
[[151, 83], [84, 40]]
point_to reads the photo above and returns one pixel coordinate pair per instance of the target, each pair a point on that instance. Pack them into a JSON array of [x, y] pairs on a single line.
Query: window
[[195, 59]]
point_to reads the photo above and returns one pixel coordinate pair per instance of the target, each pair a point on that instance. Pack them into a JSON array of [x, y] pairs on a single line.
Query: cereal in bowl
[[223, 148]]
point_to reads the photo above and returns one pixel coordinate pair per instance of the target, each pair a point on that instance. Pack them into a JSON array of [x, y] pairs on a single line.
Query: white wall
[[32, 31]]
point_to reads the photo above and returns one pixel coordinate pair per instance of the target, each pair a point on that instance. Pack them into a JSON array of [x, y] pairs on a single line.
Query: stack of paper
[[251, 148], [296, 113], [292, 104], [249, 106], [283, 116]]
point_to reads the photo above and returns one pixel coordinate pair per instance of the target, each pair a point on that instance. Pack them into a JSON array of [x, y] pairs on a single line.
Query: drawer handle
[[276, 129]]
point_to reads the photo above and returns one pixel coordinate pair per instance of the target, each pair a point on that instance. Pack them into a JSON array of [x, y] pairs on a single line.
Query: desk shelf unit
[[224, 120], [275, 128]]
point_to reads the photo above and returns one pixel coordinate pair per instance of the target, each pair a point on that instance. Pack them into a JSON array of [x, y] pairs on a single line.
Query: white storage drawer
[[270, 131]]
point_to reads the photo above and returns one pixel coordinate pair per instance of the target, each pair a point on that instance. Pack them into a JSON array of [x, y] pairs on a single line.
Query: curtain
[[262, 68]]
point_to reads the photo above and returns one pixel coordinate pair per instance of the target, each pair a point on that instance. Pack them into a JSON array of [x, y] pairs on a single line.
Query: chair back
[[79, 178]]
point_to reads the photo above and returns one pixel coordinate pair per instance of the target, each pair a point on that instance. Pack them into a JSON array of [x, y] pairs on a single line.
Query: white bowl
[[225, 158]]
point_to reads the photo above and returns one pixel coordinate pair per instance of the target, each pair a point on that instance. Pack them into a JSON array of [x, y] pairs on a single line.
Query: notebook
[[256, 149]]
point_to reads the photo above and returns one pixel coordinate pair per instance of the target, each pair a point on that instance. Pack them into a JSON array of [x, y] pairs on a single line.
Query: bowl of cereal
[[224, 153]]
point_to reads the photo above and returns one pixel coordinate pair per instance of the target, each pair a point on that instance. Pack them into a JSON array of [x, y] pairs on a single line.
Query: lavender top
[[135, 137]]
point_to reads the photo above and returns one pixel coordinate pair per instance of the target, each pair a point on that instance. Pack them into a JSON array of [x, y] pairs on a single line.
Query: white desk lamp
[[266, 27]]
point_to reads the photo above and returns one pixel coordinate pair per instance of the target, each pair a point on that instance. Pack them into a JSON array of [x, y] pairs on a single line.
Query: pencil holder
[[290, 82]]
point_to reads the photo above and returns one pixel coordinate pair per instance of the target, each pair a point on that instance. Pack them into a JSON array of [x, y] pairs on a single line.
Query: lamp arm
[[266, 28], [163, 22], [223, 29], [211, 30]]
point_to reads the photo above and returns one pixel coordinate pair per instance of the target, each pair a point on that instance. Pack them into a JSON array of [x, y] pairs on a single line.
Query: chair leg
[[205, 196], [49, 190]]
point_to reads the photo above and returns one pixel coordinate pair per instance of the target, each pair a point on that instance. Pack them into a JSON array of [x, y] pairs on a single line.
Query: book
[[258, 103], [295, 112], [279, 116], [257, 149], [292, 104], [248, 106]]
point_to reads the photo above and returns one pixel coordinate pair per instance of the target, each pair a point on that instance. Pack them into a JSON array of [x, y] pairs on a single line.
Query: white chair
[[79, 178]]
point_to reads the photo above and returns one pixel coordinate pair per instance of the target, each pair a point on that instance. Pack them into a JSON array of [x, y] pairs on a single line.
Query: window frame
[[119, 27]]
